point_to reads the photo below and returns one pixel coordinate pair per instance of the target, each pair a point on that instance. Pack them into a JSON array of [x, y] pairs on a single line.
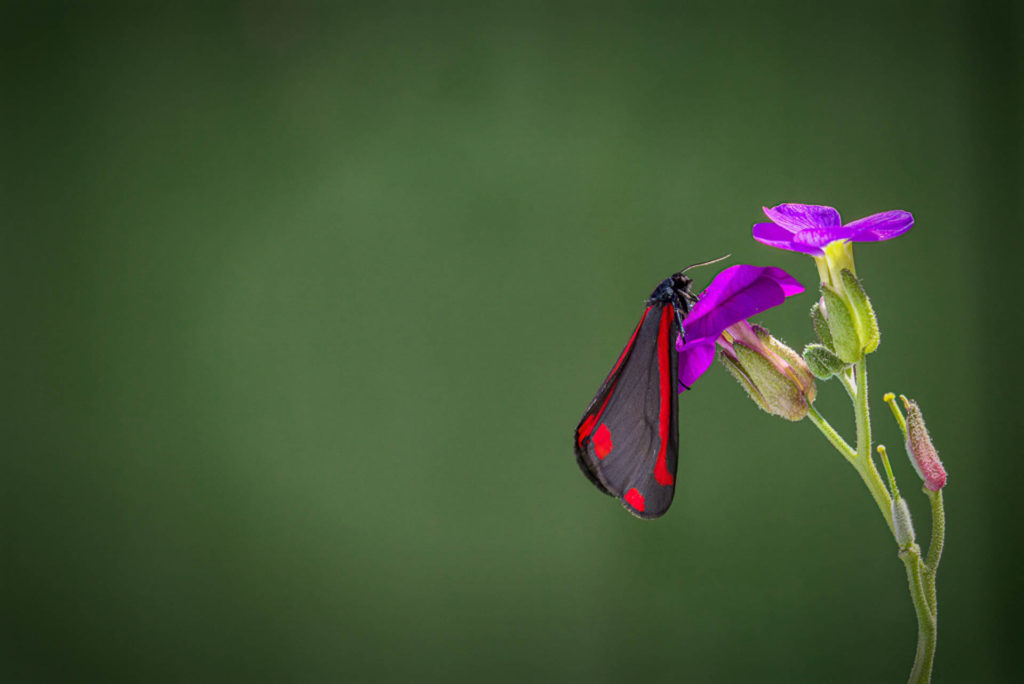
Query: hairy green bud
[[902, 525], [822, 362], [867, 323]]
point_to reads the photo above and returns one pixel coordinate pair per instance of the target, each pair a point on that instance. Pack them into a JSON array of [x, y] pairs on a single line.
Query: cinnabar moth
[[627, 442]]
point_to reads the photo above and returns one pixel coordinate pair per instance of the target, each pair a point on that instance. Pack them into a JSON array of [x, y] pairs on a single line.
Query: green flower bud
[[867, 323], [774, 375], [797, 369], [821, 325], [822, 362], [780, 395], [737, 371], [842, 325], [903, 527]]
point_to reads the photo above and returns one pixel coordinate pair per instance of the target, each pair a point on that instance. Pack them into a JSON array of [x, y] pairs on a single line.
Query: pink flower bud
[[923, 455]]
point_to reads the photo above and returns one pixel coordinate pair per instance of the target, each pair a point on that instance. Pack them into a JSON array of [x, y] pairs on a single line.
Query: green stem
[[862, 412], [934, 548], [830, 434], [920, 574], [868, 473], [846, 378], [926, 623], [864, 464]]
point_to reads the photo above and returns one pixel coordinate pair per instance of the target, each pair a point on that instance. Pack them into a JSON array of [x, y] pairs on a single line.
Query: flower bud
[[774, 376], [923, 455], [822, 362], [902, 526], [867, 323], [798, 369], [842, 324]]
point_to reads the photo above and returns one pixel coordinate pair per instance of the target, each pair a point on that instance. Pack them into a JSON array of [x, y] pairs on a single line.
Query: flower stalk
[[847, 330], [859, 458], [927, 626], [921, 572], [938, 540]]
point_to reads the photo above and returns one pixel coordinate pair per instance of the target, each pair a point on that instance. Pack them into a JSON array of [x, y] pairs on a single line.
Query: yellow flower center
[[838, 255]]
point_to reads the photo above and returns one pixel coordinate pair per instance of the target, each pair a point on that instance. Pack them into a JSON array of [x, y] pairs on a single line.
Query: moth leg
[[679, 322]]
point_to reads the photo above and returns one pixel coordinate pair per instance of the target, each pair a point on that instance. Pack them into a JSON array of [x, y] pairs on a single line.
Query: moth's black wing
[[597, 407], [628, 440]]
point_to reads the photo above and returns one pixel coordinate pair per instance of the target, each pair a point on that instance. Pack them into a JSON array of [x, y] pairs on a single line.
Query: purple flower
[[808, 228], [734, 295]]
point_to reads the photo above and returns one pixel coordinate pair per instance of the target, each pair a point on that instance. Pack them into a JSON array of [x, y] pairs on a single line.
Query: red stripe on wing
[[629, 345], [661, 473], [591, 420]]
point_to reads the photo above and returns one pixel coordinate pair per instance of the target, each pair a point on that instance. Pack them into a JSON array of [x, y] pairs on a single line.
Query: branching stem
[[920, 572]]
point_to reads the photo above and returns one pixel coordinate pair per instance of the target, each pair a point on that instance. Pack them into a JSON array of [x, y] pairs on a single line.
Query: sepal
[[773, 375], [793, 367], [775, 393], [820, 323], [867, 323], [842, 325], [737, 371], [822, 362]]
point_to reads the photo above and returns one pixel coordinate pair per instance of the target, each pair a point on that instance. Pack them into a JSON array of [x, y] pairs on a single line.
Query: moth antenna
[[706, 263]]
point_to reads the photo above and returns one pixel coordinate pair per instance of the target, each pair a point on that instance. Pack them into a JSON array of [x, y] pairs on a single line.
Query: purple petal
[[694, 360], [775, 235], [789, 242], [754, 298], [735, 294], [790, 285], [726, 282], [797, 217], [772, 232], [883, 226], [816, 238]]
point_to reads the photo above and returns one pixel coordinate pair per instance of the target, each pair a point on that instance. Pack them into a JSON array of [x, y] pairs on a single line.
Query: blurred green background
[[303, 301]]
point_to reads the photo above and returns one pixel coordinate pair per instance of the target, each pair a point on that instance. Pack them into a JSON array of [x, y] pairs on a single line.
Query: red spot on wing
[[602, 441], [635, 499], [661, 473]]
